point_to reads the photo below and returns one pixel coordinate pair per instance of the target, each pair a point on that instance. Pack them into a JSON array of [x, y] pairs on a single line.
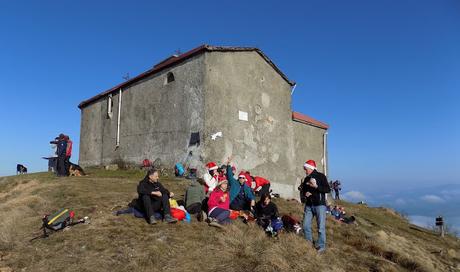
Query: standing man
[[68, 154], [52, 161], [337, 188], [61, 152], [314, 189]]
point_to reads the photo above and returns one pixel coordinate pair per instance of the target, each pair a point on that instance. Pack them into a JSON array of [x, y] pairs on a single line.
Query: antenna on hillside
[[126, 77]]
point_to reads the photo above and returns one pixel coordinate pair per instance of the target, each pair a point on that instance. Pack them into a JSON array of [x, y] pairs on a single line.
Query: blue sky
[[383, 74]]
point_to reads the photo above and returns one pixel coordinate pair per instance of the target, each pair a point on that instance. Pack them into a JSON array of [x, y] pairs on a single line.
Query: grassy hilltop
[[381, 240]]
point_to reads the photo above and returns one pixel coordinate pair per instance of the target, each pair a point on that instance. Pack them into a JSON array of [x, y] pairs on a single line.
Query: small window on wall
[[109, 106], [169, 78]]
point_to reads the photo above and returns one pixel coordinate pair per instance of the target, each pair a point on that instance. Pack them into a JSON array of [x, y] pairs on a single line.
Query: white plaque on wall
[[243, 116]]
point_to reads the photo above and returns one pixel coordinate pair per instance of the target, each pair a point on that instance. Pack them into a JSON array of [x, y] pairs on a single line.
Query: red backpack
[[146, 163]]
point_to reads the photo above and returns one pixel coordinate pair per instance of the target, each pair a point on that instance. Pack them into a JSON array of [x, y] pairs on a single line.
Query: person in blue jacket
[[241, 195]]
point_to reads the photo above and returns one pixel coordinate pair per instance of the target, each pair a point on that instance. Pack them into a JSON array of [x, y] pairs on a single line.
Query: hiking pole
[[45, 234]]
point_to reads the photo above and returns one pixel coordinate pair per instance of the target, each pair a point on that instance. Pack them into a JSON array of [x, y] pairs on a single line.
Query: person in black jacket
[[313, 192], [267, 216], [265, 209], [61, 152], [153, 197]]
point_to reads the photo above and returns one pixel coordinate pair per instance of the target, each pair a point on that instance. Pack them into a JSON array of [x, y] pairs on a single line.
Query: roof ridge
[[174, 60], [303, 118]]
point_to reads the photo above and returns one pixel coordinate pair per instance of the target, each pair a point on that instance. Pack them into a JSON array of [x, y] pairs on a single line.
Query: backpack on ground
[[291, 224], [58, 220]]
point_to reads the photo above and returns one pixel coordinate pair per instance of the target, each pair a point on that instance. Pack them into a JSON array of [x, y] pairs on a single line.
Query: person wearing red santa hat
[[313, 193], [219, 204], [210, 177]]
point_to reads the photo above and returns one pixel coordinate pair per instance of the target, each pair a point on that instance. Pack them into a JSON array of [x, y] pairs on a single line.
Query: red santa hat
[[242, 175], [211, 166], [221, 180], [310, 164]]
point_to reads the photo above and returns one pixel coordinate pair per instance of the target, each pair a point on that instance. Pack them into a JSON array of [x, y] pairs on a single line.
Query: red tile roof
[[177, 59], [302, 118]]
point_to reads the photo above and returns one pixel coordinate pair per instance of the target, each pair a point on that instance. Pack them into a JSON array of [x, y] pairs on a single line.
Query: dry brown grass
[[380, 241]]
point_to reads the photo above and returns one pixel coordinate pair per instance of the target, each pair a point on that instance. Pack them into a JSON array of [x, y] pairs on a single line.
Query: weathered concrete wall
[[309, 145], [156, 120], [269, 144], [244, 81], [91, 135]]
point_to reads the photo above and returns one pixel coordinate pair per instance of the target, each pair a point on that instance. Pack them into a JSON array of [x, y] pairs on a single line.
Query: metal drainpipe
[[325, 152], [119, 119]]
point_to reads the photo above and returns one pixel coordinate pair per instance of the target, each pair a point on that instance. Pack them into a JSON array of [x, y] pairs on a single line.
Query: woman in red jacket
[[219, 204]]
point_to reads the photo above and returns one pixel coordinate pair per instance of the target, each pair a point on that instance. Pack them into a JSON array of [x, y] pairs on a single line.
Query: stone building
[[205, 105]]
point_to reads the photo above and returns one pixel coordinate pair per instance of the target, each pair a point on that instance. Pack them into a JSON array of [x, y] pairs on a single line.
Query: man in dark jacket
[[61, 152], [314, 189], [153, 197], [337, 188]]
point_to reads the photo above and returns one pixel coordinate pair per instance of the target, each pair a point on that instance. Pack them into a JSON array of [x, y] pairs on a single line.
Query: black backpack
[[58, 220]]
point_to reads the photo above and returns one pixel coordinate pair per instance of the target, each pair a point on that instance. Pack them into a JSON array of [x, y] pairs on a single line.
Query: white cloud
[[354, 196], [432, 199]]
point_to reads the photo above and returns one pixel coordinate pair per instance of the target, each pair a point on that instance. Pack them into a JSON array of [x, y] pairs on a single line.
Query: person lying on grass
[[218, 204], [267, 216], [340, 215], [241, 195], [153, 197]]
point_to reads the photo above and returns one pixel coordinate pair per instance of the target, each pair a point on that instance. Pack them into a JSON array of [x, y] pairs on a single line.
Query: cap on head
[[211, 166], [310, 164], [242, 175]]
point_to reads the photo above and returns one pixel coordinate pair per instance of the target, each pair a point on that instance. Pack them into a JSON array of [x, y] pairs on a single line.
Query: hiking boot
[[321, 250], [152, 220], [199, 217], [213, 223], [204, 217], [170, 219]]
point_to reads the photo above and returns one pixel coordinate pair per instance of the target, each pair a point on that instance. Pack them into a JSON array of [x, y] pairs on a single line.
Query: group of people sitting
[[227, 193], [219, 198], [222, 197]]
